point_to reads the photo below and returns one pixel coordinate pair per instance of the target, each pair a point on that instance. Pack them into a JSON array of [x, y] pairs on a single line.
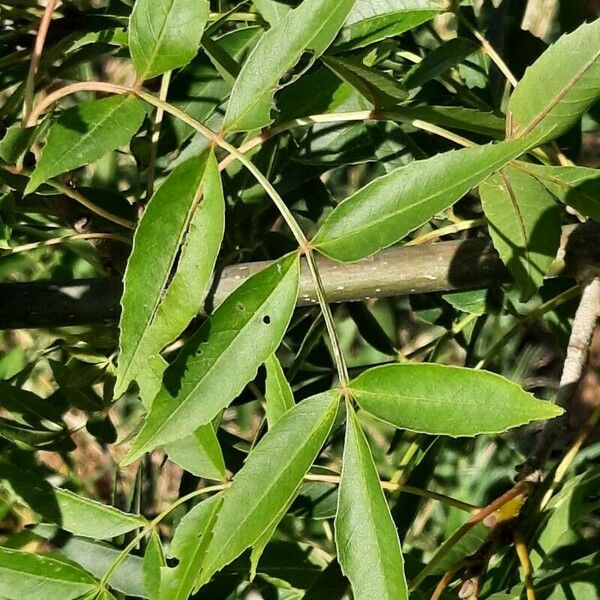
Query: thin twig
[[523, 555], [36, 56], [408, 489], [584, 322], [521, 488], [66, 238], [488, 49], [158, 117]]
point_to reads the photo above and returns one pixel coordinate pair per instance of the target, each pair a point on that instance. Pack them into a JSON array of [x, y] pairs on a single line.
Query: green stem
[[158, 117]]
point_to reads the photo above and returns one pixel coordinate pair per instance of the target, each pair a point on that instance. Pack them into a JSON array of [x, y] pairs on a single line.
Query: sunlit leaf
[[444, 400], [181, 230], [309, 28], [374, 20], [269, 480], [390, 207], [559, 87], [154, 560], [199, 453], [26, 576], [188, 550], [278, 392]]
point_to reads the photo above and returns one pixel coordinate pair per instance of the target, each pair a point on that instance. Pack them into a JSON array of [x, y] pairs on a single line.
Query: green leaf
[[365, 536], [576, 500], [524, 224], [578, 187], [165, 34], [443, 400], [278, 393], [373, 20], [189, 546], [269, 480], [154, 559], [272, 10], [89, 518], [199, 453], [25, 576], [97, 557], [181, 231], [376, 86], [222, 357], [438, 61], [390, 207], [86, 132], [310, 27], [559, 87]]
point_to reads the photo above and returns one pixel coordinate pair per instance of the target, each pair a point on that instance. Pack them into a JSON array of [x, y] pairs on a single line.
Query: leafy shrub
[[314, 426]]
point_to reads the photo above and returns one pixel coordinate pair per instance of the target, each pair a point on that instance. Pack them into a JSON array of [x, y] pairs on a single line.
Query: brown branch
[[586, 316], [36, 56], [443, 266]]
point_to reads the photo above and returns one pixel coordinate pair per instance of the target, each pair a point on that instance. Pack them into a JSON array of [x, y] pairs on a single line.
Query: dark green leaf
[[180, 231], [443, 400], [376, 86], [85, 133], [223, 356], [438, 61], [269, 480]]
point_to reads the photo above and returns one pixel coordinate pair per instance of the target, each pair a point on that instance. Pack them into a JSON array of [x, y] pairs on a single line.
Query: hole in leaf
[[266, 319], [172, 561]]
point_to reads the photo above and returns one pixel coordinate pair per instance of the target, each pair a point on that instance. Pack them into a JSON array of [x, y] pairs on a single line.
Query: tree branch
[[584, 323], [403, 270]]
